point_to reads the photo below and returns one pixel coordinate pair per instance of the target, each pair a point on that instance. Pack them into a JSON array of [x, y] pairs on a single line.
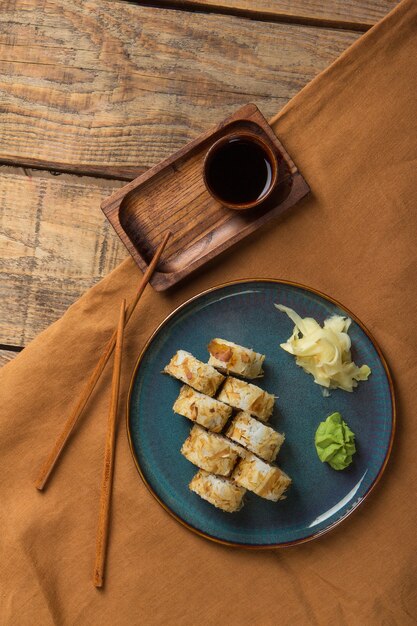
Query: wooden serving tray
[[172, 196]]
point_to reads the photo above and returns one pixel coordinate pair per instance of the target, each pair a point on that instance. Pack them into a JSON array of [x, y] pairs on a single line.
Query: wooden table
[[93, 92]]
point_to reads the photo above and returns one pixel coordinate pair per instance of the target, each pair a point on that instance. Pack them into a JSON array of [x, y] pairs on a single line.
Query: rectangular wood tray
[[172, 196]]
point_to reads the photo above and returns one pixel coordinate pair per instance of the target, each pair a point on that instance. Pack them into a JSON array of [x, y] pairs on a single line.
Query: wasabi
[[335, 442]]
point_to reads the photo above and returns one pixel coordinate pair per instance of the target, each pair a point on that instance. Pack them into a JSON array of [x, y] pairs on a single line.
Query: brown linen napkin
[[350, 131]]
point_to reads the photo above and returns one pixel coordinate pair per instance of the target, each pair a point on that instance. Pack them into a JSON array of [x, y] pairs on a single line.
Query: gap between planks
[[257, 14], [35, 166], [7, 354]]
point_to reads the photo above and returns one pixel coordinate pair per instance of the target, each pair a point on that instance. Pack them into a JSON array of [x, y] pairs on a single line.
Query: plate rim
[[336, 523]]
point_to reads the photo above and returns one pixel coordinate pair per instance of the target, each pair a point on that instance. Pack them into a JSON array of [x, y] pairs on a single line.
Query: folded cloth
[[351, 133]]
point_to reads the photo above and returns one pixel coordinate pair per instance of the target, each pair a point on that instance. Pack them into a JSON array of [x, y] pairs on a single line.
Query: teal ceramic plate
[[319, 497]]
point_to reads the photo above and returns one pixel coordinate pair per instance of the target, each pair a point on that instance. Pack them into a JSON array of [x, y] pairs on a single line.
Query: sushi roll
[[219, 491], [247, 397], [210, 451], [198, 375], [199, 408], [267, 481], [230, 358], [255, 436]]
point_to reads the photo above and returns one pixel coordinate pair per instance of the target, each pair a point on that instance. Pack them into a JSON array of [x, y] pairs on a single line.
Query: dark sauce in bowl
[[239, 171]]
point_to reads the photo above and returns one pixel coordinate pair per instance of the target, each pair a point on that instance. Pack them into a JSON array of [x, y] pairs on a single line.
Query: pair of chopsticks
[[114, 343]]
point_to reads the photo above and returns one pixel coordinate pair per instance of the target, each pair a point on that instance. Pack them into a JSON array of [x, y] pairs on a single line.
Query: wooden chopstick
[[51, 460], [109, 454]]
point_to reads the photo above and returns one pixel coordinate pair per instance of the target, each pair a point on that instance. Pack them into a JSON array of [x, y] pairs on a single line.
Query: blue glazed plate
[[319, 497]]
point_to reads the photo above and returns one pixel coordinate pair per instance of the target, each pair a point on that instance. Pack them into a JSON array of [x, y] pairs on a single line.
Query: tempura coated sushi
[[198, 375], [247, 397], [231, 358], [219, 491], [199, 408], [210, 451], [267, 481], [255, 436]]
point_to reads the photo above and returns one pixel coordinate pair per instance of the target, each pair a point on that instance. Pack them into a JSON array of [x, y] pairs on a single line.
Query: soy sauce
[[239, 172]]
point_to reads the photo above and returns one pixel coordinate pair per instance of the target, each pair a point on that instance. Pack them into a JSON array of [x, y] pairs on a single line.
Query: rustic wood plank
[[6, 356], [357, 14], [54, 243], [112, 87]]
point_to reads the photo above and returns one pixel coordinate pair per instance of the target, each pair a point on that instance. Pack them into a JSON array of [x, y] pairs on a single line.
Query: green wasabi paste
[[335, 442]]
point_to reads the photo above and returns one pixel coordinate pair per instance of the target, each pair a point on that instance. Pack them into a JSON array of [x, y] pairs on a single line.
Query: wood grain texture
[[54, 243], [6, 356], [111, 87], [201, 226], [361, 14]]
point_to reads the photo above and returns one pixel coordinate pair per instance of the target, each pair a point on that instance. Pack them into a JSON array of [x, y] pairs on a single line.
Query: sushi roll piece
[[199, 408], [247, 397], [267, 481], [210, 451], [198, 375], [230, 358], [255, 436], [219, 491]]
